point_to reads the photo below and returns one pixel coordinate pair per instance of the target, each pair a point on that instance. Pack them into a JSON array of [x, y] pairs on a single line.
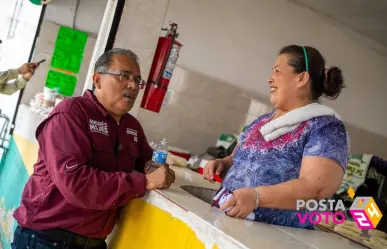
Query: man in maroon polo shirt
[[92, 160]]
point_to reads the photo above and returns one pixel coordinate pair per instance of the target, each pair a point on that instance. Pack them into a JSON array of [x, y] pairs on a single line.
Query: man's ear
[[302, 79], [97, 80]]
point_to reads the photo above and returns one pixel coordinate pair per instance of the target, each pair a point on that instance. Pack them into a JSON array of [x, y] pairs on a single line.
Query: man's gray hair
[[103, 62]]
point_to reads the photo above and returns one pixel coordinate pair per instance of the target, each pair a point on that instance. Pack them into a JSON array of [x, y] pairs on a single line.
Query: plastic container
[[160, 154], [180, 152], [49, 97]]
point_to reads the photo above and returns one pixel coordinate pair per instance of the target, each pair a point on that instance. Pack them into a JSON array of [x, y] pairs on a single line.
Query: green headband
[[306, 59]]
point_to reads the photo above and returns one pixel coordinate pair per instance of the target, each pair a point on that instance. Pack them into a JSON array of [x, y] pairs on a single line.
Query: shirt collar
[[90, 95]]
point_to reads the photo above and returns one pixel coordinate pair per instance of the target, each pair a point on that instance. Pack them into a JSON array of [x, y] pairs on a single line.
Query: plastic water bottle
[[160, 154]]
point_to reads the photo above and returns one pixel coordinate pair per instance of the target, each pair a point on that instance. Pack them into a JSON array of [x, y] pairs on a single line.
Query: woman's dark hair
[[329, 84]]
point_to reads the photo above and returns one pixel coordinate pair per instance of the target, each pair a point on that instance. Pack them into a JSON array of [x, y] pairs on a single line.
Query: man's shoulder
[[68, 109], [72, 105], [76, 108]]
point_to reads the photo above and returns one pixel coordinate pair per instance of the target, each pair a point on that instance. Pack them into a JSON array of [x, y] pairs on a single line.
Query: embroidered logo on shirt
[[132, 132], [99, 126], [72, 166]]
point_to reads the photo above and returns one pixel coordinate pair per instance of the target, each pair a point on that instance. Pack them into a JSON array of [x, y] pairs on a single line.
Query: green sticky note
[[65, 83], [69, 48]]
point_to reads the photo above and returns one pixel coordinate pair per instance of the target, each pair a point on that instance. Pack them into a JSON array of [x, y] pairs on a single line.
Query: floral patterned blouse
[[260, 163]]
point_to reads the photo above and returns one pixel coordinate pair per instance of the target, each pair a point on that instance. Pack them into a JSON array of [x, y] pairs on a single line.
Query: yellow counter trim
[[145, 226], [28, 151]]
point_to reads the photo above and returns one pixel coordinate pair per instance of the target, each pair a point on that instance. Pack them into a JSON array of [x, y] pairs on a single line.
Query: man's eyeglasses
[[126, 77]]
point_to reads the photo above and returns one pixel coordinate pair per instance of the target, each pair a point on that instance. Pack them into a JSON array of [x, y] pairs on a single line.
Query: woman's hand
[[213, 167], [242, 203]]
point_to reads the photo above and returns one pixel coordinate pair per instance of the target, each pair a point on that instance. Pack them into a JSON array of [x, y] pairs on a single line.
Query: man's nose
[[132, 85]]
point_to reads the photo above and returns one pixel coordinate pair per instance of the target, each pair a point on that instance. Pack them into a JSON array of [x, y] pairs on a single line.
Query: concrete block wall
[[199, 109], [139, 30]]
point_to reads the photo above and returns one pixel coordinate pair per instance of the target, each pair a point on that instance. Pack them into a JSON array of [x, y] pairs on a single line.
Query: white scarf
[[291, 120]]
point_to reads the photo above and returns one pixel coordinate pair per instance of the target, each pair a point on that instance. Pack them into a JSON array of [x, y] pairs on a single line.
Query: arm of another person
[[7, 85], [66, 149], [322, 171], [13, 80]]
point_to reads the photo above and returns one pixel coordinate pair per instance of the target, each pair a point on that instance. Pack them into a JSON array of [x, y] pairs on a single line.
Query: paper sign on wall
[[65, 83], [69, 48]]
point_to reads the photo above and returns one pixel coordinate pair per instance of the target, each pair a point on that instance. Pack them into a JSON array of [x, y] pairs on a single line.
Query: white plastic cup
[[49, 97], [50, 94]]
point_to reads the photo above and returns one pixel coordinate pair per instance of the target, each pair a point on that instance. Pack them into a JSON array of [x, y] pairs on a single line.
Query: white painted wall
[[237, 42]]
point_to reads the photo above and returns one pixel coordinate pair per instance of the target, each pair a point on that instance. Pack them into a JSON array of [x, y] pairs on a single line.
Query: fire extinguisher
[[164, 61]]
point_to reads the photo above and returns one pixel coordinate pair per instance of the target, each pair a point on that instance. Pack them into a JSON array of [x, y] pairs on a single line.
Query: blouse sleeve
[[328, 140]]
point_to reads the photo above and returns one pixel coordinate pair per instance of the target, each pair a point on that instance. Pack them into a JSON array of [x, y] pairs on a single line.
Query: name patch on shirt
[[99, 126], [133, 133]]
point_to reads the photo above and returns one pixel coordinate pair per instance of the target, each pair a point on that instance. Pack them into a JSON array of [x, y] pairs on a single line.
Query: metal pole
[[106, 36], [43, 11]]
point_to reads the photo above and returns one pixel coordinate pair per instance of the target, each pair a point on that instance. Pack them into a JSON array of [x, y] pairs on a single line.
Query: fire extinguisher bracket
[[157, 85]]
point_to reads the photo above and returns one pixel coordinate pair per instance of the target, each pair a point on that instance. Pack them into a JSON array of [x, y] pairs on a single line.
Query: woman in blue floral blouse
[[268, 176]]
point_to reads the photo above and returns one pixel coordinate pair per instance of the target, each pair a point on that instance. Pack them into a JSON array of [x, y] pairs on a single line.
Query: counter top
[[213, 226]]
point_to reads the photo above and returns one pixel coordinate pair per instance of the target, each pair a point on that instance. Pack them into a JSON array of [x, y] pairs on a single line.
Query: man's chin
[[127, 109]]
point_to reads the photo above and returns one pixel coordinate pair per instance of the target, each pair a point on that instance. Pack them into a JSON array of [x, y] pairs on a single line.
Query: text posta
[[325, 208]]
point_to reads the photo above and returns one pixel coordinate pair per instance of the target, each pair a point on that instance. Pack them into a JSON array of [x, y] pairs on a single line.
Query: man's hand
[[161, 178], [28, 70], [213, 167], [150, 166]]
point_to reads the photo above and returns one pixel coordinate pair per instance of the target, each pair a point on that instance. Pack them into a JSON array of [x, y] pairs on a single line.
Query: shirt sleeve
[[11, 81], [145, 152], [66, 149], [328, 140]]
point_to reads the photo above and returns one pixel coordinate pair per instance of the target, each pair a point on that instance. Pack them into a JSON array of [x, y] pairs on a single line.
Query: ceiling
[[84, 15], [367, 17]]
